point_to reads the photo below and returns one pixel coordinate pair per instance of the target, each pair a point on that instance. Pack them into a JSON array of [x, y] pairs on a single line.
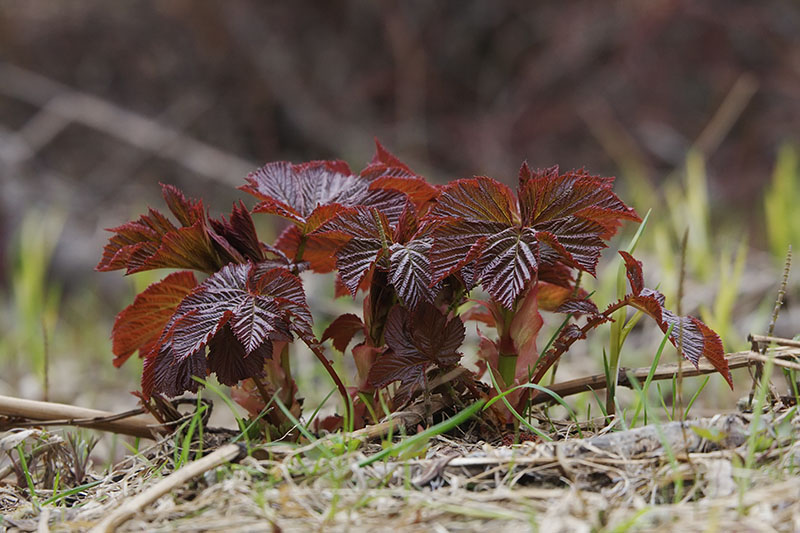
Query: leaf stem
[[562, 346], [335, 377]]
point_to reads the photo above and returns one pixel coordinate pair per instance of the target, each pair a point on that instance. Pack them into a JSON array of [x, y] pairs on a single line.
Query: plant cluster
[[417, 252]]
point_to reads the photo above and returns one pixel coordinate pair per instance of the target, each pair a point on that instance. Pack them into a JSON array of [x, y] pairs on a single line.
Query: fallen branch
[[131, 423], [663, 372], [130, 507]]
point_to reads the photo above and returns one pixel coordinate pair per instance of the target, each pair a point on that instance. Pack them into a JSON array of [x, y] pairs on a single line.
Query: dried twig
[[129, 508], [663, 372], [779, 341]]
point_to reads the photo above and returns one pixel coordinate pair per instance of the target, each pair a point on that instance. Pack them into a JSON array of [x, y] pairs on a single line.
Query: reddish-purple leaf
[[317, 249], [633, 269], [578, 243], [408, 224], [342, 330], [148, 244], [384, 159], [578, 306], [387, 172], [457, 243], [409, 272], [229, 360], [355, 260], [508, 263], [248, 305], [140, 324], [546, 196], [390, 366], [164, 373], [417, 189], [479, 199], [366, 234], [296, 191], [287, 290], [187, 211], [690, 336], [416, 341], [239, 233], [360, 223], [203, 244], [477, 224]]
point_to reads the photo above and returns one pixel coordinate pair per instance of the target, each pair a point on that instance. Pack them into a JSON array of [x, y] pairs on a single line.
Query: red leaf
[[355, 261], [228, 359], [151, 243], [457, 243], [287, 290], [249, 304], [408, 224], [319, 250], [580, 239], [579, 306], [384, 157], [417, 189], [477, 225], [408, 369], [342, 330], [546, 196], [551, 297], [416, 340], [203, 244], [409, 272], [479, 199], [508, 264], [165, 374], [359, 222], [139, 325], [387, 172], [365, 232], [240, 233], [633, 269], [689, 335], [296, 191]]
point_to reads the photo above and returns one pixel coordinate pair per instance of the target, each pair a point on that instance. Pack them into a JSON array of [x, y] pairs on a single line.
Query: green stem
[[301, 248], [507, 365]]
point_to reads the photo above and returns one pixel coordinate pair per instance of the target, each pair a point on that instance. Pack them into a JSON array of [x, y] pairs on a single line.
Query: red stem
[[334, 376], [562, 346]]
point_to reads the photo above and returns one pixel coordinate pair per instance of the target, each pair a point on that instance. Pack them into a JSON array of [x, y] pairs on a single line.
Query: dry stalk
[[775, 312], [130, 423]]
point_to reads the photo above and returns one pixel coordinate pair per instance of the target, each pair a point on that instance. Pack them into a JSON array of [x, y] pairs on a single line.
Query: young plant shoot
[[416, 251]]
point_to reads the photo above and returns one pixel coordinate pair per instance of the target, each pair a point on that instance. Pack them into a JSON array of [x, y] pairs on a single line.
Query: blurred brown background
[[100, 100]]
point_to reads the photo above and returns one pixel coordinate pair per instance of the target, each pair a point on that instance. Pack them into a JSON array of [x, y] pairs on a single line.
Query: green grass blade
[[545, 390], [442, 427], [514, 412]]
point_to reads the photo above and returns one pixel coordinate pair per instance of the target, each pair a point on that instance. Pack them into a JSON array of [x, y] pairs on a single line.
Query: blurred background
[[694, 106]]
